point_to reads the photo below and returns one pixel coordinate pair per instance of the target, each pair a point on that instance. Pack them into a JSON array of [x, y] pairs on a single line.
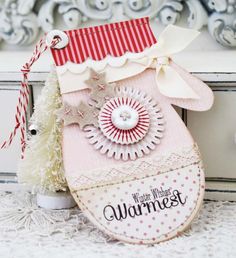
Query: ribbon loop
[[171, 84], [172, 40]]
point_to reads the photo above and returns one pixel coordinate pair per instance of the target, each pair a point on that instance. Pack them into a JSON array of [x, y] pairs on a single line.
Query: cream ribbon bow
[[172, 40]]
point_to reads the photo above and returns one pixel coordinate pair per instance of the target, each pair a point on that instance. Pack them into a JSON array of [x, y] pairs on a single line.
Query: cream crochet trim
[[136, 169], [27, 231]]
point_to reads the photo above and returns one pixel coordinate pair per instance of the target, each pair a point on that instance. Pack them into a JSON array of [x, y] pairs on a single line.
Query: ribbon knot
[[25, 70], [23, 99], [163, 60], [171, 41]]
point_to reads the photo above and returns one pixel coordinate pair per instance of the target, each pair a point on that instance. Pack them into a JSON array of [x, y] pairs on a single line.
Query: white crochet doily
[[28, 231]]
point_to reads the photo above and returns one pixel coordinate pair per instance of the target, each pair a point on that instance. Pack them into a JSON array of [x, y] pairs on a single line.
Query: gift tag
[[130, 162]]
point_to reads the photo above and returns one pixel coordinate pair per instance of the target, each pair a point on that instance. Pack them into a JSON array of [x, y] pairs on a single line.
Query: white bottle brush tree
[[42, 166]]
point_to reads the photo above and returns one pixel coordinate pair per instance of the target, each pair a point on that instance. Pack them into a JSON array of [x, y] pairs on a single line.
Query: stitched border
[[158, 239], [121, 27], [128, 178], [121, 181]]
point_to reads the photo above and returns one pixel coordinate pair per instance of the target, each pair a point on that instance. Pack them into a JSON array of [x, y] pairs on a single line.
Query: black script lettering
[[136, 197], [153, 204], [122, 211], [165, 202], [174, 201], [112, 212], [118, 215], [177, 194], [144, 198], [168, 192], [134, 211], [155, 193]]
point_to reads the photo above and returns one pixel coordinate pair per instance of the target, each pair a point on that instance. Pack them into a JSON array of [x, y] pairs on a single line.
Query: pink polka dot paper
[[146, 210], [149, 199]]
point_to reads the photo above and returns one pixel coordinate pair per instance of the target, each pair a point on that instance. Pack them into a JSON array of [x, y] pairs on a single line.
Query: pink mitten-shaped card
[[130, 162]]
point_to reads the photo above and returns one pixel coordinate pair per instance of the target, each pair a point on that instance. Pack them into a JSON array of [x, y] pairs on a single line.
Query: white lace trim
[[67, 233], [135, 169]]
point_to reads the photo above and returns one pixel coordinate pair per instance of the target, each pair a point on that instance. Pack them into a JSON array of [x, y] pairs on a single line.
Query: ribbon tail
[[173, 40], [172, 85]]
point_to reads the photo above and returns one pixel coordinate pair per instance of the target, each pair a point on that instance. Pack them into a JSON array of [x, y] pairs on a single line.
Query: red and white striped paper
[[113, 39]]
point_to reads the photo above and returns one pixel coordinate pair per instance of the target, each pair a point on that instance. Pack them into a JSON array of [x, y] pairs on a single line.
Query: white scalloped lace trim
[[67, 233], [136, 169]]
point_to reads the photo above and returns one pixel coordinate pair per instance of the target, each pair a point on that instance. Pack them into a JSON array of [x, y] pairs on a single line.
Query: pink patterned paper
[[111, 193]]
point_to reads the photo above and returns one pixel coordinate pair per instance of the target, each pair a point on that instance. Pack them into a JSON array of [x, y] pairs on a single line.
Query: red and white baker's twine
[[23, 99]]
